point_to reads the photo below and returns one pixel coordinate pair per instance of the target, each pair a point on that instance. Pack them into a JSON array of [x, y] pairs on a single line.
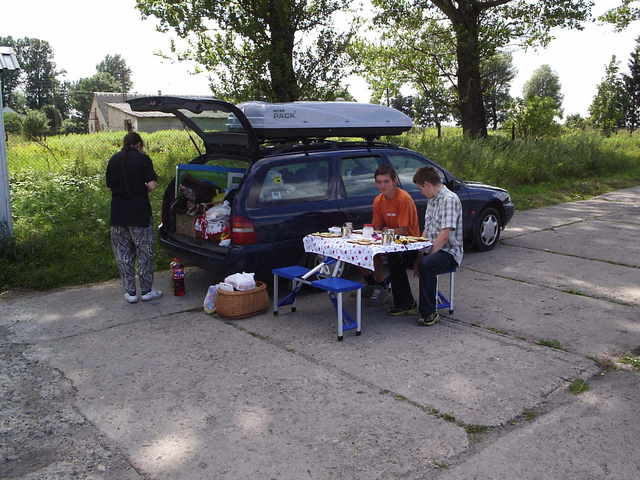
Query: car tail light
[[243, 231]]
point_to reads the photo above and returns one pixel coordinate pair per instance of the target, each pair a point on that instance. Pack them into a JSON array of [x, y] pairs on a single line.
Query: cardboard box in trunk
[[185, 224]]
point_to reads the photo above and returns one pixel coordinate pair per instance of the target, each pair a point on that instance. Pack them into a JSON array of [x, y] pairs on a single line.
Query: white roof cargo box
[[323, 119]]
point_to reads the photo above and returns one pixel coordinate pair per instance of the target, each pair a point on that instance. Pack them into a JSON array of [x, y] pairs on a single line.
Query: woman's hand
[[151, 186]]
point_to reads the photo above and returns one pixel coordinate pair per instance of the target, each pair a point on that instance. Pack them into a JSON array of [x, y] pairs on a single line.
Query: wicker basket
[[242, 304]]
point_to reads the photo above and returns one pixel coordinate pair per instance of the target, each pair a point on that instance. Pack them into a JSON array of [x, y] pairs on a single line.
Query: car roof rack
[[308, 144]]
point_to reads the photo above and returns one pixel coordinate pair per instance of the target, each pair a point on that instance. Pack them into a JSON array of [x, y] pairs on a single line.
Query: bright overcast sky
[[84, 31]]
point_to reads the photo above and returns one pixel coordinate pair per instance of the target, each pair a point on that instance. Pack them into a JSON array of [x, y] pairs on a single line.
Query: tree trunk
[[467, 28], [439, 127], [284, 86]]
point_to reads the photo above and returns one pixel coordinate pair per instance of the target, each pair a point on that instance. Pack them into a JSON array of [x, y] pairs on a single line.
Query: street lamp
[[8, 62]]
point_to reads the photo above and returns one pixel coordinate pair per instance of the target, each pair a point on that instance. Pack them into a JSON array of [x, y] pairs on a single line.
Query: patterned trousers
[[129, 244]]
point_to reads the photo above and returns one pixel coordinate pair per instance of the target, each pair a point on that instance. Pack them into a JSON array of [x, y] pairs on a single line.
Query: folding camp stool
[[441, 300]]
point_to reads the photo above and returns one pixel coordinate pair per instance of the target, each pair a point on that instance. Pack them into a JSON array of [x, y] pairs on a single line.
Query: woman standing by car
[[130, 176]]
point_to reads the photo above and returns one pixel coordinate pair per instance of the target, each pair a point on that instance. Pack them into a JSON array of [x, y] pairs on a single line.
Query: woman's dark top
[[127, 172]]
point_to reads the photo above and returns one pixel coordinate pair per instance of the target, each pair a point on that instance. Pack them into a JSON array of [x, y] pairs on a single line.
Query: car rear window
[[294, 182]]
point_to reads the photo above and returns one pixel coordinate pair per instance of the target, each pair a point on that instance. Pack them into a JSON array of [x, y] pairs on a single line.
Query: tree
[[535, 117], [632, 90], [377, 64], [544, 83], [39, 72], [279, 50], [61, 98], [81, 93], [622, 15], [53, 118], [481, 27], [117, 67], [497, 73], [575, 122], [607, 108]]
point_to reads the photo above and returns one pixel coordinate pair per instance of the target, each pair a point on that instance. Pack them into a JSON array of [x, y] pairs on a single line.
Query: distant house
[[110, 112]]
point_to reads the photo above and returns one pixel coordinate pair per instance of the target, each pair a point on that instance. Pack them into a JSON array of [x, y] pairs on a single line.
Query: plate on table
[[364, 241], [327, 235], [416, 239]]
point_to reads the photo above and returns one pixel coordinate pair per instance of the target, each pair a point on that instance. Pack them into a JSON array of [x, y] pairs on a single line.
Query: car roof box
[[300, 120]]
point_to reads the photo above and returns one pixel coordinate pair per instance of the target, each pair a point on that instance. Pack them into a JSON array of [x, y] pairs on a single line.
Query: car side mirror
[[454, 185]]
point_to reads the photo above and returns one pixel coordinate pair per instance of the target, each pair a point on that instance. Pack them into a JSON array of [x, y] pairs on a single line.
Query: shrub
[[72, 125], [13, 123], [35, 125], [54, 117]]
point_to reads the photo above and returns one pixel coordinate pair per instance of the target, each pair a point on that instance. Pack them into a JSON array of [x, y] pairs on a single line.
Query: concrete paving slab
[[626, 195], [567, 213], [593, 436], [73, 311], [190, 397], [593, 239], [593, 278], [475, 375], [581, 324]]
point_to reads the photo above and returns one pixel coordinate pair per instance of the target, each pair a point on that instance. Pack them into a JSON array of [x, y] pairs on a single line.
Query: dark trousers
[[398, 264], [430, 267]]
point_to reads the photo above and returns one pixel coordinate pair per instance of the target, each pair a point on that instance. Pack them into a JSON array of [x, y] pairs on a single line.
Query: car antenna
[[193, 141]]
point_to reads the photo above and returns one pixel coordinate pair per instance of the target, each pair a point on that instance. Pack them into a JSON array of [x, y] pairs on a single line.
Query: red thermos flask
[[177, 275]]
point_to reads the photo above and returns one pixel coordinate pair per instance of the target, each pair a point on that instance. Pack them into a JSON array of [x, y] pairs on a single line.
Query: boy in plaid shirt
[[443, 227]]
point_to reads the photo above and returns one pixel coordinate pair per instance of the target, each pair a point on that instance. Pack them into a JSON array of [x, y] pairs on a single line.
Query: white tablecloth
[[361, 255]]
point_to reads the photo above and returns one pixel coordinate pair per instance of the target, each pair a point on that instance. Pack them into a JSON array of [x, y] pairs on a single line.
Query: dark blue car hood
[[484, 186]]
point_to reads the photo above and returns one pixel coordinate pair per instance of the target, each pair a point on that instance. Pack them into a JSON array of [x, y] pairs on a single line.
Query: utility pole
[[8, 61]]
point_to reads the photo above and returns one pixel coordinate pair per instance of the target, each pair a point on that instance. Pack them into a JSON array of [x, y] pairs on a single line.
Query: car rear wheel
[[487, 228]]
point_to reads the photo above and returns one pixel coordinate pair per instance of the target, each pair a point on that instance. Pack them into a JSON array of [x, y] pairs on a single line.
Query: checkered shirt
[[445, 211]]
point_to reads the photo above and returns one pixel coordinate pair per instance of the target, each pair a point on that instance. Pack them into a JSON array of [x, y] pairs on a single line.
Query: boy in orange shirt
[[394, 208]]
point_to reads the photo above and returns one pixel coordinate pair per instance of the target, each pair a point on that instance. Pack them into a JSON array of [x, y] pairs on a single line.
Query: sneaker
[[403, 311], [151, 295], [429, 320], [131, 298]]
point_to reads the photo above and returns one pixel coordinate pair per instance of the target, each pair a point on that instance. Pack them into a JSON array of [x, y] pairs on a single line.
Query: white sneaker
[[152, 295], [131, 298]]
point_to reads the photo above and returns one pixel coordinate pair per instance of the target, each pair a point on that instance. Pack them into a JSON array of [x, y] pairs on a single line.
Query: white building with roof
[[110, 112]]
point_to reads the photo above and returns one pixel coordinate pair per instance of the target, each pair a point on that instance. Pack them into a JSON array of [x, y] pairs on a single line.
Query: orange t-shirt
[[400, 211]]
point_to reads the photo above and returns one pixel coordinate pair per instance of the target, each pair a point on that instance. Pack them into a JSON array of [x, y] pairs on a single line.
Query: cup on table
[[347, 229], [367, 230]]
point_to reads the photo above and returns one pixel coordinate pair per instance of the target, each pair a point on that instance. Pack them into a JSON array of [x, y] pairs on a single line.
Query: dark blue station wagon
[[298, 184]]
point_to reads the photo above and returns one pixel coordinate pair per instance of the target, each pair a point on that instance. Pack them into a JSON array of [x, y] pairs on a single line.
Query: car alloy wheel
[[488, 229]]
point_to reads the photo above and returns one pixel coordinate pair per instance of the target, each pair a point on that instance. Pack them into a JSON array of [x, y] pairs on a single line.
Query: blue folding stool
[[441, 300]]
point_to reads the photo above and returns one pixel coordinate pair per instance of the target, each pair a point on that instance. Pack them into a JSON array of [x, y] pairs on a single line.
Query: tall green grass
[[61, 203]]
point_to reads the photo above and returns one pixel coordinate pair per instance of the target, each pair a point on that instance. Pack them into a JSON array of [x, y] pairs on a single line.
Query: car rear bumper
[[236, 258]]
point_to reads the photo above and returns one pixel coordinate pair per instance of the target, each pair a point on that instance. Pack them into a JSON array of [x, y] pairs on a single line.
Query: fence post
[[6, 225]]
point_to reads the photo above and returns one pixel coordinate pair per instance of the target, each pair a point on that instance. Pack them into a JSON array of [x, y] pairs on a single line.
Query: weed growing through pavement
[[551, 343], [578, 386], [439, 464], [633, 360]]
